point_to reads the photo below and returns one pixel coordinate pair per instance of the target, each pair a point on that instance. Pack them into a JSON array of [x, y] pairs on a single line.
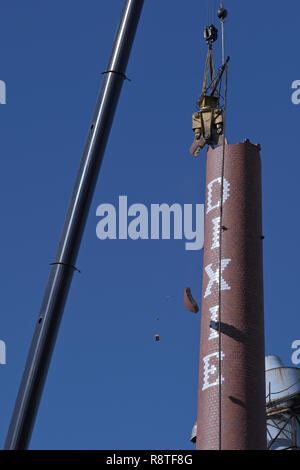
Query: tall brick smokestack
[[232, 415]]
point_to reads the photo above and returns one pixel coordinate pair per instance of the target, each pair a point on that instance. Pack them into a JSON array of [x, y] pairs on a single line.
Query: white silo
[[283, 405]]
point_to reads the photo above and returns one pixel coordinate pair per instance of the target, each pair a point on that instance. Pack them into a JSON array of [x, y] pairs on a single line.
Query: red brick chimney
[[231, 414]]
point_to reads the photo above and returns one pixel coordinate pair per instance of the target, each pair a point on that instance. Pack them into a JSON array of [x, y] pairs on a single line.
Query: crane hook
[[210, 34]]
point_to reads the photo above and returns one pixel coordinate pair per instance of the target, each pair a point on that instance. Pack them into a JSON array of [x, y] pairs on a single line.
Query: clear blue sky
[[110, 386]]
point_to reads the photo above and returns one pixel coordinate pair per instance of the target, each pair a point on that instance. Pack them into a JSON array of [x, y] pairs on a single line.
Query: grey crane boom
[[62, 268]]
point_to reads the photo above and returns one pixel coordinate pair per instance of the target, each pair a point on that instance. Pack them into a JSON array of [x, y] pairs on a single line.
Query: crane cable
[[211, 9], [223, 45], [221, 231], [208, 16]]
